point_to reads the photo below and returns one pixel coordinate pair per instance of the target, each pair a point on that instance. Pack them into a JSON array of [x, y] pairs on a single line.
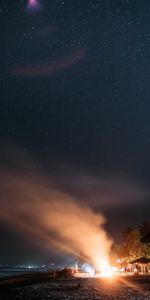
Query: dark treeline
[[132, 247]]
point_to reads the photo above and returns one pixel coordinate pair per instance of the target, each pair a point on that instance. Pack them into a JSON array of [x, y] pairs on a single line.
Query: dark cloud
[[104, 192]]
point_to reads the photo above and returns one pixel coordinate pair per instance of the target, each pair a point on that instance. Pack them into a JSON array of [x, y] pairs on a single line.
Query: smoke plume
[[38, 208]]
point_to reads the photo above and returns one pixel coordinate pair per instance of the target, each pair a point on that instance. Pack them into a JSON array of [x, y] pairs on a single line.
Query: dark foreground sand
[[76, 289]]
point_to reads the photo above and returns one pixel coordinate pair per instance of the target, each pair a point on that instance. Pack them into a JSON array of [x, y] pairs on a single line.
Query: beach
[[41, 287]]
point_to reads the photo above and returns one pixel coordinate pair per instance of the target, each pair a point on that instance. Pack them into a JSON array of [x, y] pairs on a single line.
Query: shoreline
[[23, 279], [37, 277]]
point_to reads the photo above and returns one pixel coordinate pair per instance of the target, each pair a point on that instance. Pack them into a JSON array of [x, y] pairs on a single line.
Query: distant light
[[33, 5], [88, 269], [29, 267]]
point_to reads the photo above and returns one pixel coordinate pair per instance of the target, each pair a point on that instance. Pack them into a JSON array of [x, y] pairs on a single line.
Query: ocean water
[[11, 272]]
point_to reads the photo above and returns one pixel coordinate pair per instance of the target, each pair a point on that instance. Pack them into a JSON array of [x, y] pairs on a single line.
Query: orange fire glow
[[106, 271]]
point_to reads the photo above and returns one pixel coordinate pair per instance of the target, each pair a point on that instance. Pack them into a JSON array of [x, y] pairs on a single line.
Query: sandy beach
[[76, 288]]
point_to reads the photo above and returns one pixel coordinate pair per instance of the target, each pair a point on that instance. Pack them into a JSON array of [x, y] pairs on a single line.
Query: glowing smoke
[[42, 211]]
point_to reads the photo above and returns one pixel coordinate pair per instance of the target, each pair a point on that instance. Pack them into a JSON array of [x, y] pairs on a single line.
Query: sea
[[14, 271]]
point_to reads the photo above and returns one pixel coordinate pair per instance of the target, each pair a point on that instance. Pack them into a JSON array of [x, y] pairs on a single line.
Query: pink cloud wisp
[[48, 68]]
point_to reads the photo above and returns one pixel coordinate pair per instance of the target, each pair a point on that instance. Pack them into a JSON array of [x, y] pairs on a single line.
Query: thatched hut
[[143, 264]]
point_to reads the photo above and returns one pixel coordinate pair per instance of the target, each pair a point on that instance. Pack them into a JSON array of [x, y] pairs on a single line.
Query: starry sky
[[75, 100]]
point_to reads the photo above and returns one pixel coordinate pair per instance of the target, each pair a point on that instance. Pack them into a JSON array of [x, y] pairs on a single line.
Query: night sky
[[75, 101]]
